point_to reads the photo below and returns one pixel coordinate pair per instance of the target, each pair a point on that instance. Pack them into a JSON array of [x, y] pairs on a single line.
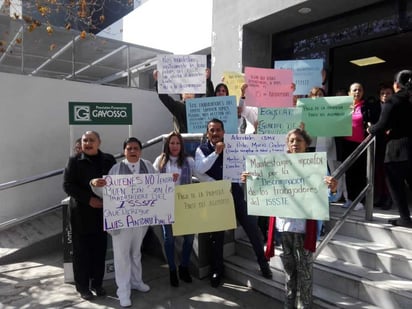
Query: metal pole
[[370, 174]]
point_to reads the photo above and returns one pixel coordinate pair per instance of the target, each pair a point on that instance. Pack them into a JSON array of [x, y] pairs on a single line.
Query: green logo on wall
[[100, 113]]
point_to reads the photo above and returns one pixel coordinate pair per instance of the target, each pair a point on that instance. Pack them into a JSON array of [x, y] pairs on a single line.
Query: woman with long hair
[[174, 160]]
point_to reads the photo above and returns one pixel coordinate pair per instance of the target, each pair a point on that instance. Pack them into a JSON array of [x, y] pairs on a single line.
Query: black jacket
[[79, 171], [394, 122], [177, 109]]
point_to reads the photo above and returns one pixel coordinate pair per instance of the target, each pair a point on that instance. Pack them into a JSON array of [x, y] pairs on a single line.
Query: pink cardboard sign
[[269, 87]]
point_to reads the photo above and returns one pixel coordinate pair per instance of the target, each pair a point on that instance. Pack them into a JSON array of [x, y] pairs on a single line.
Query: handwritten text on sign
[[200, 110], [278, 120], [327, 116], [238, 146], [138, 200], [181, 73], [288, 185], [204, 207], [268, 87], [307, 73], [234, 82]]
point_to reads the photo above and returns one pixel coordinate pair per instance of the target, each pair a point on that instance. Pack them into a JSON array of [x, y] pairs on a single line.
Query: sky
[[177, 26]]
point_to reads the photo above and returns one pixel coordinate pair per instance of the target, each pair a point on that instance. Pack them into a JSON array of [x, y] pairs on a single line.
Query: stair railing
[[20, 182], [369, 145]]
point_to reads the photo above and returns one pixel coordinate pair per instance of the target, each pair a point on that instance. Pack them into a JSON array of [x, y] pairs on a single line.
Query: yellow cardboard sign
[[204, 207], [234, 82]]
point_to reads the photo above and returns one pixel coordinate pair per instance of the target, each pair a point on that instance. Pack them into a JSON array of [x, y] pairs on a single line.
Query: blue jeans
[[319, 224], [169, 244]]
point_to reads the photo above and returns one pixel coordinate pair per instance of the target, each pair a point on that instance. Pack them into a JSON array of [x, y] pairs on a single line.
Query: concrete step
[[245, 272], [373, 255], [378, 230], [33, 237], [366, 285], [382, 233]]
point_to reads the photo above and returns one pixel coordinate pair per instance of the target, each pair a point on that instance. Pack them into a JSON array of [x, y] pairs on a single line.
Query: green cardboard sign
[[327, 116], [288, 185]]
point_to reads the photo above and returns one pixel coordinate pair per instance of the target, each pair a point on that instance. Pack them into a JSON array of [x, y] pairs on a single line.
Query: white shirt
[[172, 167], [203, 164]]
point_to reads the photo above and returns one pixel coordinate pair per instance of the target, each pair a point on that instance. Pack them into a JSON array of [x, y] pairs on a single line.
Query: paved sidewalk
[[39, 283]]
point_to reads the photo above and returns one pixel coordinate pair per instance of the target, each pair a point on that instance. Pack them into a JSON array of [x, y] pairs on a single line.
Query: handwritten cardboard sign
[[138, 200], [200, 110], [278, 120], [204, 207], [307, 73], [234, 82], [238, 146], [181, 74], [268, 87], [327, 116], [288, 185]]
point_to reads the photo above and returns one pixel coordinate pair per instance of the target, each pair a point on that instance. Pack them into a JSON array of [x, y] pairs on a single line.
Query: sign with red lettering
[[269, 87]]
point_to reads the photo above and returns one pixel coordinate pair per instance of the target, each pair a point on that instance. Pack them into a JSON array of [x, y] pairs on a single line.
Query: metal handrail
[[20, 182], [369, 144], [7, 224]]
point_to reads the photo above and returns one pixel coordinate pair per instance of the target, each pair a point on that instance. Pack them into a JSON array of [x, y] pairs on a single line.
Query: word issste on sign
[[138, 200], [288, 185]]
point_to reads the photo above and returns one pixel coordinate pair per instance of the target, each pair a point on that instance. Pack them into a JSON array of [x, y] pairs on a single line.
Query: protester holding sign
[[127, 241], [209, 167], [176, 108], [86, 213], [298, 237], [245, 114], [174, 160]]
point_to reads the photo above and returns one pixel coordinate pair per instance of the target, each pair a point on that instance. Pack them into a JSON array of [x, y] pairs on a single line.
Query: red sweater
[[310, 237]]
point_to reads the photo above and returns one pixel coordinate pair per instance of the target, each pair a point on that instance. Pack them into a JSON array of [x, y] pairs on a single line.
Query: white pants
[[127, 258]]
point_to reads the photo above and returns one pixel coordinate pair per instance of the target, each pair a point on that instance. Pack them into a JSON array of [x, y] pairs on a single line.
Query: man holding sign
[[209, 167]]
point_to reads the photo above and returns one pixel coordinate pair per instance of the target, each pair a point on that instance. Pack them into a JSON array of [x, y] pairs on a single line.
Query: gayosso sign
[[100, 113]]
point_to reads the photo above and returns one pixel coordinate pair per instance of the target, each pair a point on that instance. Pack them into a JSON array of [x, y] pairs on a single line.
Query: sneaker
[[99, 291], [142, 287], [126, 302], [86, 295], [359, 207], [346, 204]]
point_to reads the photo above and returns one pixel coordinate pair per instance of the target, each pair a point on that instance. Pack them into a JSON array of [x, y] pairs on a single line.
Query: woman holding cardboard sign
[[298, 237], [127, 241], [174, 160]]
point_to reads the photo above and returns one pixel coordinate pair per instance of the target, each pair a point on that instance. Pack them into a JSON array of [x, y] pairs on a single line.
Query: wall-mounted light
[[367, 61]]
